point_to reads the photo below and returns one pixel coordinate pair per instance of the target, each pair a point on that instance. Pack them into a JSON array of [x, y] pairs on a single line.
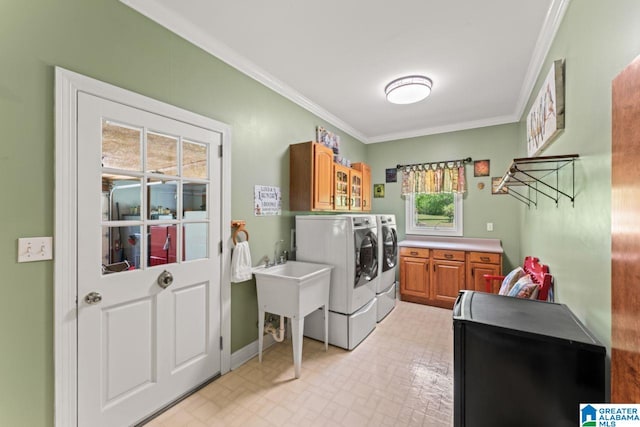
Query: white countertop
[[452, 243]]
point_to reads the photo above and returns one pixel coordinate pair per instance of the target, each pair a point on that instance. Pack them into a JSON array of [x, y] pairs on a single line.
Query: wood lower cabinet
[[436, 276], [479, 264], [447, 277], [414, 275]]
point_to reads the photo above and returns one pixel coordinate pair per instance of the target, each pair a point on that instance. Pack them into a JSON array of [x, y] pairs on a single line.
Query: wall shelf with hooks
[[529, 176]]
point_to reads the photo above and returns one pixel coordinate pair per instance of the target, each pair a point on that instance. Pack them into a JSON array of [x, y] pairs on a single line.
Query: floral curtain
[[434, 178]]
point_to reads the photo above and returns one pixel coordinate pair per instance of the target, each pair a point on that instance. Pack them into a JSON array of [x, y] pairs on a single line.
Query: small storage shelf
[[529, 176]]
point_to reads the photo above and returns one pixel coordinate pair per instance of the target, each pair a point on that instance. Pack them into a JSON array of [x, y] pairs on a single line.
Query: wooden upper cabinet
[[355, 202], [317, 183], [341, 187], [366, 184], [310, 177], [322, 172]]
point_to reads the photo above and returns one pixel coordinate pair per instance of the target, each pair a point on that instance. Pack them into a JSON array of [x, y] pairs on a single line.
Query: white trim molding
[[161, 15], [552, 22], [249, 351], [164, 17], [67, 86]]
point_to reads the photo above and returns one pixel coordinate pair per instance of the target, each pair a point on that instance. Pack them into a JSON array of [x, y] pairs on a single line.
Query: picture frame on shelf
[[495, 182], [328, 139]]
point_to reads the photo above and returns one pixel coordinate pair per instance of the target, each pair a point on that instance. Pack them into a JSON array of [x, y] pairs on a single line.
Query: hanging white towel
[[241, 262]]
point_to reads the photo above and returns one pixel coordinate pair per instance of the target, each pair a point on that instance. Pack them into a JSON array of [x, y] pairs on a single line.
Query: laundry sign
[[267, 200]]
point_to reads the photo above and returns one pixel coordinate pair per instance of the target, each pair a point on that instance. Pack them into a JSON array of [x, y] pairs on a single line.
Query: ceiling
[[335, 57]]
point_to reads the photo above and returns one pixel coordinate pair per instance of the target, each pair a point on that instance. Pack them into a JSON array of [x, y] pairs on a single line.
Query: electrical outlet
[[35, 249], [489, 226]]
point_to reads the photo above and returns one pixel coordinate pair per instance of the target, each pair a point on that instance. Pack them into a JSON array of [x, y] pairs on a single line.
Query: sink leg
[[326, 328], [297, 327], [260, 333]]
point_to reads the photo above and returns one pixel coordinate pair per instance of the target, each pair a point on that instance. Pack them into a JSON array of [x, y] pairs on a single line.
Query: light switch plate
[[35, 249], [489, 226]]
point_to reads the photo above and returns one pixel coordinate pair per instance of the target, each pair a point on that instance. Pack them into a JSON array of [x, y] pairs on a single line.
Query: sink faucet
[[276, 254]]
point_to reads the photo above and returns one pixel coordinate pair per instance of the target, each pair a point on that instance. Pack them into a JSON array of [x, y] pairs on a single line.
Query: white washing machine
[[388, 263], [350, 244]]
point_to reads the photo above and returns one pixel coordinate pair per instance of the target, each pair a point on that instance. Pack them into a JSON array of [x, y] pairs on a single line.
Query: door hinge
[[221, 342], [220, 247], [220, 150]]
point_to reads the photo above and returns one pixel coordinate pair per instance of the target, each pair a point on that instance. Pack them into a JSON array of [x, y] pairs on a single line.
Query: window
[[435, 214]]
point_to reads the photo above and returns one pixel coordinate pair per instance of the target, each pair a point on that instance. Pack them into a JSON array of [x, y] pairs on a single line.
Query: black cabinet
[[522, 363]]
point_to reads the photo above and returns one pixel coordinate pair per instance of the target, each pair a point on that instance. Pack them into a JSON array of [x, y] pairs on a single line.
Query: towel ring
[[238, 227], [235, 234]]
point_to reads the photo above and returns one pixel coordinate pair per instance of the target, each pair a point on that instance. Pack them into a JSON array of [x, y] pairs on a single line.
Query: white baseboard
[[249, 351]]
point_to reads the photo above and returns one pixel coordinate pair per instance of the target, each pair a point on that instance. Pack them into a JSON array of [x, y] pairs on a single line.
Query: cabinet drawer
[[486, 257], [448, 255], [415, 252]]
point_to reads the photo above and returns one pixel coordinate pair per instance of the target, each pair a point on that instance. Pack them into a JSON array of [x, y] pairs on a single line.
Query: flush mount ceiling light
[[409, 89]]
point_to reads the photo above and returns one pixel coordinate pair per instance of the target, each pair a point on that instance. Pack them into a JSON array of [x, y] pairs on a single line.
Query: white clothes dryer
[[350, 244], [388, 256]]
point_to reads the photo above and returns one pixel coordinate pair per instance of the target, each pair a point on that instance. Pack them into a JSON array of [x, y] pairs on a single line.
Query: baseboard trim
[[249, 351]]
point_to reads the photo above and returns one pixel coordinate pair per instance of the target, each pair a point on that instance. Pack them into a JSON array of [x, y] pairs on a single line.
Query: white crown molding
[[550, 27], [474, 124], [189, 32]]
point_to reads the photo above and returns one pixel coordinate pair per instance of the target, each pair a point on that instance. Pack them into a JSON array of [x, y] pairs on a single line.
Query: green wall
[[499, 144], [597, 39], [106, 40]]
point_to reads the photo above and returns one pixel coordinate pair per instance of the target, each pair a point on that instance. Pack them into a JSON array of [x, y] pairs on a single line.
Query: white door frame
[[67, 86]]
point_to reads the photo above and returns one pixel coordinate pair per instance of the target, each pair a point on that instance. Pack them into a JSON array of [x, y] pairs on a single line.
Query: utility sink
[[293, 290]]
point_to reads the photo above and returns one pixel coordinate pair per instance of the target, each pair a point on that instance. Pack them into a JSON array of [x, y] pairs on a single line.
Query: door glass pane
[[194, 160], [120, 249], [163, 244], [121, 146], [162, 154], [194, 199], [162, 198], [124, 197], [195, 241]]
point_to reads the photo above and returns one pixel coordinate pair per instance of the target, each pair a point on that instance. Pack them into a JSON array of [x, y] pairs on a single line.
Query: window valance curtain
[[441, 177]]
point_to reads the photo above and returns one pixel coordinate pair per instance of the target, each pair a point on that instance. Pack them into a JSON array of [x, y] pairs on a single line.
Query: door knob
[[93, 298], [165, 279]]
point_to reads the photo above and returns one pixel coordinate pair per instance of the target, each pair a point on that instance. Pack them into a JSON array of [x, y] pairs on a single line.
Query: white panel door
[[143, 342]]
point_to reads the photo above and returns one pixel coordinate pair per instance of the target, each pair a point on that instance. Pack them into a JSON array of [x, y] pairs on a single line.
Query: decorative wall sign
[[378, 190], [267, 200], [495, 181], [481, 168], [546, 117], [391, 175]]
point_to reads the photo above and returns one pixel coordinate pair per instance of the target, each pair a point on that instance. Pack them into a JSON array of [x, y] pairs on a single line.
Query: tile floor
[[401, 375]]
